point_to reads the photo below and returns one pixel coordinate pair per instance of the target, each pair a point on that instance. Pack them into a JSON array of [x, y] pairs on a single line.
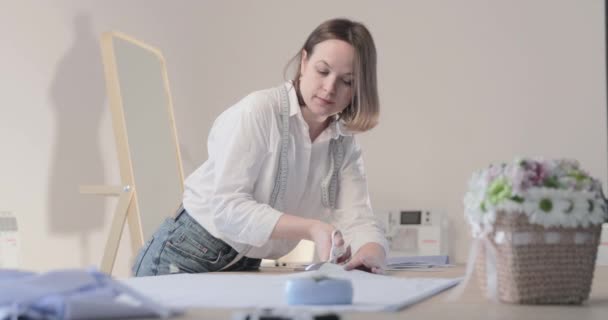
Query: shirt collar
[[339, 129], [294, 104], [335, 129]]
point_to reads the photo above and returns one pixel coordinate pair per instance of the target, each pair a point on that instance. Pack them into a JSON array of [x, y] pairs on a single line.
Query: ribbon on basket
[[483, 239]]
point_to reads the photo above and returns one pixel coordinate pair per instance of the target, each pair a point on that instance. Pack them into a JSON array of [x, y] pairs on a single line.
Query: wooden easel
[[121, 212], [128, 206]]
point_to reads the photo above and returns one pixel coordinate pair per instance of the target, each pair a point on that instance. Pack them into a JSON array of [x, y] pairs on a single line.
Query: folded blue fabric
[[72, 294]]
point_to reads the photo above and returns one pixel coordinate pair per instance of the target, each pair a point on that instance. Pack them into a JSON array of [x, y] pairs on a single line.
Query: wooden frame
[[127, 208]]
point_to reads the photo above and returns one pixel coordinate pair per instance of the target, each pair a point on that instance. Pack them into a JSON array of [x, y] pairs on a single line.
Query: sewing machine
[[414, 232]]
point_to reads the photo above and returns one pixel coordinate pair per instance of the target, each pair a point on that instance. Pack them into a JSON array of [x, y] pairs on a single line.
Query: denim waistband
[[179, 212], [183, 218]]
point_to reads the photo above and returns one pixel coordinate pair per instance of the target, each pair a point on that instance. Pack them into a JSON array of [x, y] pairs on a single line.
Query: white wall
[[462, 83]]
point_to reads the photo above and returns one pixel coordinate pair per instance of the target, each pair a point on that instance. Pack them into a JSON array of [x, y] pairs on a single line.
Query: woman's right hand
[[297, 228], [320, 233]]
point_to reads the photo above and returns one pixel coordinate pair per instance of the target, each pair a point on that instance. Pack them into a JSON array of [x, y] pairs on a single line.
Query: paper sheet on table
[[257, 290]]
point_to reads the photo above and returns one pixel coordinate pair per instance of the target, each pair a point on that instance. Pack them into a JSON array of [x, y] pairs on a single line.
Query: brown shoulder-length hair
[[363, 111]]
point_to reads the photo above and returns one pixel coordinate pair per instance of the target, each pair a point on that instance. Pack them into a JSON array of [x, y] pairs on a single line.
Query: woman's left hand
[[370, 257]]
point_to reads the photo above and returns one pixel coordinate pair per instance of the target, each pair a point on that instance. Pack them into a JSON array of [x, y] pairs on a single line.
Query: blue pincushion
[[319, 290]]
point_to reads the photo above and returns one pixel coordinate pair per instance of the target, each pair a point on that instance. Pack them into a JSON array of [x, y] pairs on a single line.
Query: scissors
[[334, 253]]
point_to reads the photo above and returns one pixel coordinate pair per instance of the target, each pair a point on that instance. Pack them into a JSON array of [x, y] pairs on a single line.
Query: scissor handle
[[336, 251]]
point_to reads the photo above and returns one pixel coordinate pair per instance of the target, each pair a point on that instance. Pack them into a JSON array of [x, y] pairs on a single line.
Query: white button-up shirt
[[229, 194]]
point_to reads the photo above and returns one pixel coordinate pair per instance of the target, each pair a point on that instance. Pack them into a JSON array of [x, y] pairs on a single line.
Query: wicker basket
[[539, 272]]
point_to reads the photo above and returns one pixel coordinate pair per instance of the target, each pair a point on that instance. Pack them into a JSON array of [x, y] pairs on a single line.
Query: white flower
[[538, 194], [472, 202], [581, 211], [542, 211], [597, 214], [567, 211]]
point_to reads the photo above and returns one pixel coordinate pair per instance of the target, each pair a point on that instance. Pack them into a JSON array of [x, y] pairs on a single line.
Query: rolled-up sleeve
[[354, 215], [238, 146]]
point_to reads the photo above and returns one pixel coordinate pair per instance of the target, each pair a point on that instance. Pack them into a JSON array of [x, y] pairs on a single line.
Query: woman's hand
[[298, 228], [320, 234], [370, 257]]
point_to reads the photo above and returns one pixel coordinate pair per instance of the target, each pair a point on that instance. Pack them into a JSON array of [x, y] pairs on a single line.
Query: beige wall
[[462, 83]]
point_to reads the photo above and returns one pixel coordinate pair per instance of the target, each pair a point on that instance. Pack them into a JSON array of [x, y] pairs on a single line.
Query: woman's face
[[327, 78]]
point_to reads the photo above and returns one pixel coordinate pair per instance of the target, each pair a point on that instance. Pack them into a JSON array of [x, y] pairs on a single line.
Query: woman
[[283, 166]]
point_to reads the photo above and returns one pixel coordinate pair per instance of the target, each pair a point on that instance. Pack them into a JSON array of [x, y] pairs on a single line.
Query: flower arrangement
[[552, 193], [536, 227]]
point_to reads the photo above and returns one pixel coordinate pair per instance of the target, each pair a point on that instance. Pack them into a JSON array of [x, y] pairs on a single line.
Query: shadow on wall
[[78, 99]]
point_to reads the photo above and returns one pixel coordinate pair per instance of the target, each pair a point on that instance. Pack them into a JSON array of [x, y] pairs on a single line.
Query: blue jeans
[[182, 245]]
